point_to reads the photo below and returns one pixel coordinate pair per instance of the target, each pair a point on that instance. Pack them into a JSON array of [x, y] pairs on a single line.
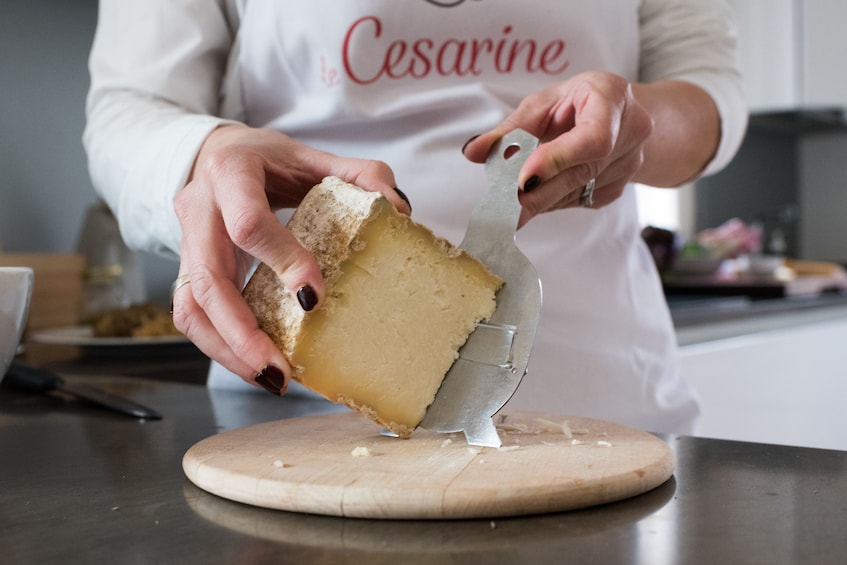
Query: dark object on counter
[[662, 245], [32, 379], [753, 286]]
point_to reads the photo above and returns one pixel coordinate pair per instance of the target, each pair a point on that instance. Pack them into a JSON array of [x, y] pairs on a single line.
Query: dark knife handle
[[31, 379]]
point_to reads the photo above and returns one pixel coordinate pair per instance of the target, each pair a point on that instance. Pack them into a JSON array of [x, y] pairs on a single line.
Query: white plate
[[83, 336]]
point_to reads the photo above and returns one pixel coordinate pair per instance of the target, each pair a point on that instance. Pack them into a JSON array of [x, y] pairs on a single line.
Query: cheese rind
[[399, 304]]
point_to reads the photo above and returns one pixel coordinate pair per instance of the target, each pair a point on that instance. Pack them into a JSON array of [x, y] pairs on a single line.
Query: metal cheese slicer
[[493, 361]]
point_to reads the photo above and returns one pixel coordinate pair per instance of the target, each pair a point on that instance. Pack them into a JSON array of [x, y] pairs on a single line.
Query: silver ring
[[180, 282], [586, 199]]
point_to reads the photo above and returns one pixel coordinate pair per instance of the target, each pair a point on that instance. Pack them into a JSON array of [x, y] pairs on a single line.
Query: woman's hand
[[240, 178], [599, 126]]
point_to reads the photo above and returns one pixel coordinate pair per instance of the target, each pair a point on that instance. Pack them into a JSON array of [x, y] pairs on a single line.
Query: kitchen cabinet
[[768, 44], [824, 49], [790, 52], [822, 197], [785, 385]]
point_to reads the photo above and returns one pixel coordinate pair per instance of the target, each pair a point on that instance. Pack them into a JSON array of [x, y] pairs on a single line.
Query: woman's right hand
[[241, 176]]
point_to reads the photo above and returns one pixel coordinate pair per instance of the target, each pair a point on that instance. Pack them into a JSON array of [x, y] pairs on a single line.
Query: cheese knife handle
[[491, 230], [31, 379]]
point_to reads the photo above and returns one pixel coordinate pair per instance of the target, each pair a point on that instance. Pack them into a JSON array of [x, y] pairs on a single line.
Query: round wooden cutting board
[[340, 465]]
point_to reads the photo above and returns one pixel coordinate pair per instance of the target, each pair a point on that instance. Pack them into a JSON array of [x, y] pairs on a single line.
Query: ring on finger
[[586, 198], [180, 282]]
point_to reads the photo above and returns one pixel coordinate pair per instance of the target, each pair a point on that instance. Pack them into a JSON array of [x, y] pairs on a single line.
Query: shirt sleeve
[[695, 41], [156, 76]]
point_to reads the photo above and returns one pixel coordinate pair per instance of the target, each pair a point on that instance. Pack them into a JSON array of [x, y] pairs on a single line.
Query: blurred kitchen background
[[788, 176], [781, 360]]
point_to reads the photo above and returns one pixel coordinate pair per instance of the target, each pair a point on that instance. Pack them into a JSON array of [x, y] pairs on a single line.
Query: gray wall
[[44, 183], [759, 185], [789, 174]]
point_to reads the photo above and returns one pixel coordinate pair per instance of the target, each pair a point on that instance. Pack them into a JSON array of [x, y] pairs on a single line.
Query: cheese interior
[[393, 320]]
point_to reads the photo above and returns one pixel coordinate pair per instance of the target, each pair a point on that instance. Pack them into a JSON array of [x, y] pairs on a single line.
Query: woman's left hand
[[590, 127]]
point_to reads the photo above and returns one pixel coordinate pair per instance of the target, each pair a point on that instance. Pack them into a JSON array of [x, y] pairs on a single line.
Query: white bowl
[[765, 264], [15, 294]]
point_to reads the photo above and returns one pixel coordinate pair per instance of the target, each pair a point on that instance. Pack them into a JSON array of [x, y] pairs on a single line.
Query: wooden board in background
[[57, 287]]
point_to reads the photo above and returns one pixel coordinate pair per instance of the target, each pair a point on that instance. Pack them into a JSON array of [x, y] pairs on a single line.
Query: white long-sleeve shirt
[[397, 82]]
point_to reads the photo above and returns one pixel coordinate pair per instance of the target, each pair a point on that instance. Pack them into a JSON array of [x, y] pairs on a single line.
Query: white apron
[[408, 83]]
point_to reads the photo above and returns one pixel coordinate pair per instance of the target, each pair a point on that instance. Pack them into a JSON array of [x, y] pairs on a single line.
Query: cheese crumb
[[602, 443], [279, 464], [556, 427], [361, 452], [513, 428], [446, 442], [508, 447]]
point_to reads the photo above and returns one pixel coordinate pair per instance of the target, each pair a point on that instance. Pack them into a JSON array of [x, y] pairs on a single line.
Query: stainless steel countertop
[[78, 484]]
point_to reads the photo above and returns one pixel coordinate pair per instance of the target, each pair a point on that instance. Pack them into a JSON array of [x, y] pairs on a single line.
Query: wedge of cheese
[[399, 304]]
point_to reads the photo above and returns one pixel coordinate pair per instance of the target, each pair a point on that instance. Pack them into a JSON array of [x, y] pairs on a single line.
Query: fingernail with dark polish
[[532, 183], [402, 195], [468, 142], [271, 379], [307, 298]]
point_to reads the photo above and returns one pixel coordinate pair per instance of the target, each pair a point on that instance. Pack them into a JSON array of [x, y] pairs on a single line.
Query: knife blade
[[32, 379], [494, 359]]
